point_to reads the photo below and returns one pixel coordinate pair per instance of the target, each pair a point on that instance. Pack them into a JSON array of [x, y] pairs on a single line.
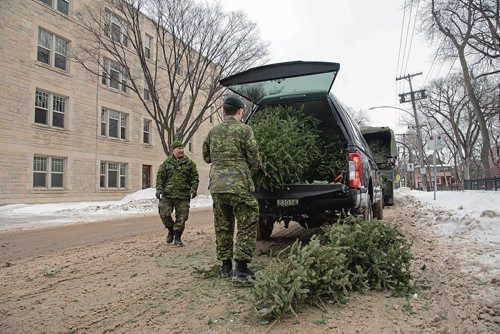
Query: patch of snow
[[140, 203]]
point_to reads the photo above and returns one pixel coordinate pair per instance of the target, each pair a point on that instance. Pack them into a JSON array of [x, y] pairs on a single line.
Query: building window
[[147, 94], [60, 5], [146, 135], [63, 6], [52, 50], [177, 105], [114, 75], [148, 41], [114, 124], [211, 117], [48, 172], [50, 109], [113, 175], [178, 67], [116, 29], [190, 145]]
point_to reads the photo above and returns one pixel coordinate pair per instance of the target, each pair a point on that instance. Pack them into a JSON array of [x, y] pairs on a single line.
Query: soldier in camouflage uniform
[[176, 183], [232, 149]]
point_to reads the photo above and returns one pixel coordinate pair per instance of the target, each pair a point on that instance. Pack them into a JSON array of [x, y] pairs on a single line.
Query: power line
[[451, 67], [406, 39], [401, 39], [412, 35], [432, 65]]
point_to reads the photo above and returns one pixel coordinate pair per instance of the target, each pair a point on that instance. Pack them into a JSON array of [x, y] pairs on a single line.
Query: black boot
[[170, 235], [177, 238], [227, 268], [242, 273]]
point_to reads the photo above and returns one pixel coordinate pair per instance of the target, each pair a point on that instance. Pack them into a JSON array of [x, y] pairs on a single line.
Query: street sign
[[435, 142], [412, 96], [410, 167]]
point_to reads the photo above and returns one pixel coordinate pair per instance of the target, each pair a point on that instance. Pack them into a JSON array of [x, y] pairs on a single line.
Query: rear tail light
[[354, 170]]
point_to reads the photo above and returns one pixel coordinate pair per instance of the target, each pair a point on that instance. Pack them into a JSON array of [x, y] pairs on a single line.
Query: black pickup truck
[[306, 86]]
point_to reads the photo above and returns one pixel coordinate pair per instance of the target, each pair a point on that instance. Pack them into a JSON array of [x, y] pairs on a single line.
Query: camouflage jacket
[[177, 178], [232, 149]]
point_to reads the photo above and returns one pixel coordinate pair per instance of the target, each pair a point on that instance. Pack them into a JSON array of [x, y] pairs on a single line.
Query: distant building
[[65, 134], [445, 178]]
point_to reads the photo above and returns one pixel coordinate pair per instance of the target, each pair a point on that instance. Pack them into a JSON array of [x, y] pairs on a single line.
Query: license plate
[[287, 202]]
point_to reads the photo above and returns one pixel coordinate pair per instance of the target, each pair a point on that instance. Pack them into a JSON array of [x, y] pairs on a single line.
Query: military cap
[[234, 101], [176, 144]]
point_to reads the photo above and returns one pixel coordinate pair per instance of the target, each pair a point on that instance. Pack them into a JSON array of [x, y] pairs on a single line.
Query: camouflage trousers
[[167, 206], [241, 210]]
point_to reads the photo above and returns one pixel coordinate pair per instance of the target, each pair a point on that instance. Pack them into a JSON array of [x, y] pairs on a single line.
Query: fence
[[491, 183], [450, 187]]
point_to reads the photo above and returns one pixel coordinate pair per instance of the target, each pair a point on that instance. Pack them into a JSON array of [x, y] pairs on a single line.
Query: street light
[[393, 107]]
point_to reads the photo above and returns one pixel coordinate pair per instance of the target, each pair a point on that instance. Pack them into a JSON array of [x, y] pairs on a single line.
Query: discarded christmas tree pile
[[294, 149], [353, 256]]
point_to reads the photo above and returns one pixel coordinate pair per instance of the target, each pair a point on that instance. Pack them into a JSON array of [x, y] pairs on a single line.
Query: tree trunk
[[485, 149]]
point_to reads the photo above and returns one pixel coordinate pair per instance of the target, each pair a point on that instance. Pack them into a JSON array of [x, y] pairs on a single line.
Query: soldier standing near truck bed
[[232, 149]]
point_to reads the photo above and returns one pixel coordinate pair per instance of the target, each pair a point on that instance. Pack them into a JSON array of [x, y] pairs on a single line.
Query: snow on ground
[[468, 221], [140, 203], [473, 213]]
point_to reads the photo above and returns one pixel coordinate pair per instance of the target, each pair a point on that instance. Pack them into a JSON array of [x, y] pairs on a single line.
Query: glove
[[193, 194], [159, 194]]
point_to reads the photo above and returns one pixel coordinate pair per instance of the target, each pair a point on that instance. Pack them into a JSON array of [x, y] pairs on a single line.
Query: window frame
[[112, 21], [148, 42], [178, 68], [178, 105], [147, 92], [146, 131], [117, 82], [51, 113], [55, 53], [113, 121], [55, 5], [50, 173], [113, 175]]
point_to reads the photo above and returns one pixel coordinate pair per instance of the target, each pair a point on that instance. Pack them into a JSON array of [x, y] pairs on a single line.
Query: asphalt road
[[15, 245]]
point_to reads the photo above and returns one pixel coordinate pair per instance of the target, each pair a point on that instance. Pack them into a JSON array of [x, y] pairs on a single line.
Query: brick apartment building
[[67, 135]]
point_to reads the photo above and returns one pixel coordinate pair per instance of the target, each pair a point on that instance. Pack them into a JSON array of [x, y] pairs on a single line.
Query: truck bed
[[305, 199]]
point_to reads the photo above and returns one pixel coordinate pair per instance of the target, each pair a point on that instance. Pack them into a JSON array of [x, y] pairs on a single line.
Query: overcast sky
[[363, 36]]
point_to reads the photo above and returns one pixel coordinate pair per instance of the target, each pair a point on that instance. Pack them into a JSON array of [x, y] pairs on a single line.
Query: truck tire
[[378, 210], [264, 229]]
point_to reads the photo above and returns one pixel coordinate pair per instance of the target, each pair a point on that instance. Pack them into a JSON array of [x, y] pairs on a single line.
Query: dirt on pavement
[[121, 277]]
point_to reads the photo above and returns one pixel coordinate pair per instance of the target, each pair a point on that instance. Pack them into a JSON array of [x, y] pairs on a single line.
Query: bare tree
[[448, 106], [486, 37], [459, 26], [175, 71], [360, 117]]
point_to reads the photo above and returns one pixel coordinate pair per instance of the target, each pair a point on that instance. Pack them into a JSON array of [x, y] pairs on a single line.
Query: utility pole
[[414, 96]]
